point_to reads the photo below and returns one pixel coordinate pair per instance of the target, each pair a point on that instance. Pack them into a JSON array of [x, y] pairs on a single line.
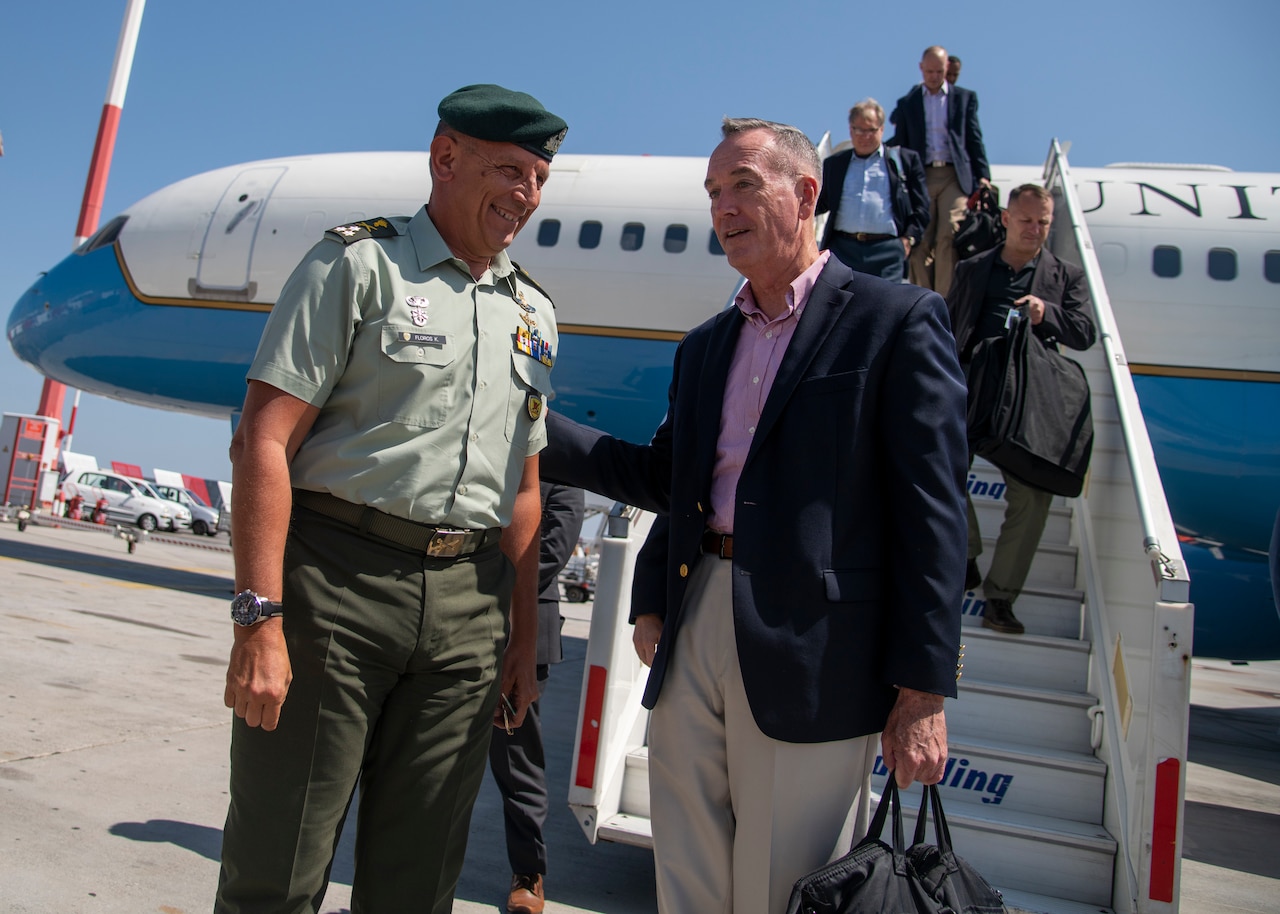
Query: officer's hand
[[1035, 307], [259, 674], [646, 636]]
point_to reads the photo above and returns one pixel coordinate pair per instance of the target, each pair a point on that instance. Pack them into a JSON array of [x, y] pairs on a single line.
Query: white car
[[127, 501], [204, 519]]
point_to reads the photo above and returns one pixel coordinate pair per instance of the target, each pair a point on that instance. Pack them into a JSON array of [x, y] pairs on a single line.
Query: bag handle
[[889, 799], [941, 833]]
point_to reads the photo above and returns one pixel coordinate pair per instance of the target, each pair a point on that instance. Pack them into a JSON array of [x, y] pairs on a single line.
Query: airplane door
[[227, 251]]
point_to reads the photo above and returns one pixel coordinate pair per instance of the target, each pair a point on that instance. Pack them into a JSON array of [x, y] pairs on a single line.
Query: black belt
[[434, 542], [720, 544], [866, 237]]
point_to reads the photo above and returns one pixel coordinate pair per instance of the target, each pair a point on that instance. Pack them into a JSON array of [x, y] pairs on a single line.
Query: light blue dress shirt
[[866, 204]]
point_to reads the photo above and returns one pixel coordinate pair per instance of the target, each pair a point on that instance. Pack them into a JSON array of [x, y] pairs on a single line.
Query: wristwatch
[[248, 608]]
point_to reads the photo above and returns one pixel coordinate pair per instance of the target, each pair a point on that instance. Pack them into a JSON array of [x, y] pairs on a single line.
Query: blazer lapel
[[826, 302], [711, 385]]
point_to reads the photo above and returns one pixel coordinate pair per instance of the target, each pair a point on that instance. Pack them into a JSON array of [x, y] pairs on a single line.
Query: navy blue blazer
[[909, 192], [968, 153], [849, 532]]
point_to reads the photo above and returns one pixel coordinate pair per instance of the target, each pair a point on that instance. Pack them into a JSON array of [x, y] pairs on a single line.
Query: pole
[[53, 393]]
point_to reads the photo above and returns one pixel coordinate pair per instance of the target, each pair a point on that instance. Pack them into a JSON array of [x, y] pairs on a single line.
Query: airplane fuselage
[[164, 307]]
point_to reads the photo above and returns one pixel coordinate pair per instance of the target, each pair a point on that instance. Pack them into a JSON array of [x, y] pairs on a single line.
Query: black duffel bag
[[981, 229], [1029, 411], [875, 878]]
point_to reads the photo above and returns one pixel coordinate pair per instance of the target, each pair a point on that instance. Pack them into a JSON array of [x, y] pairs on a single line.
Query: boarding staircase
[[1067, 759]]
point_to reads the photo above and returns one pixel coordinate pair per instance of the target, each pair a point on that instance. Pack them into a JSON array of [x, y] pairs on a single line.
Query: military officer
[[385, 517]]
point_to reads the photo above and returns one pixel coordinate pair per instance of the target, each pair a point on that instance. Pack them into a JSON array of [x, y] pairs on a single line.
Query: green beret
[[489, 112]]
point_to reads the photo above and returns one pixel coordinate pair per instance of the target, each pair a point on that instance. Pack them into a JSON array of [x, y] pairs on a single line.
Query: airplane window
[[1166, 261], [548, 233], [632, 236], [589, 235], [1271, 266], [714, 245], [676, 239], [1222, 263]]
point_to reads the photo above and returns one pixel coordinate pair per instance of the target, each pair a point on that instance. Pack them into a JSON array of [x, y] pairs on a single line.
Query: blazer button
[[684, 571]]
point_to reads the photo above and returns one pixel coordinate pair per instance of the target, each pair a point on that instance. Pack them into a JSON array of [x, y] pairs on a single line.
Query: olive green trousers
[[395, 662]]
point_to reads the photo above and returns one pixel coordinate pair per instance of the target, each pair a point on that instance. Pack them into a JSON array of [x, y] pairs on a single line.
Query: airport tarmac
[[113, 749]]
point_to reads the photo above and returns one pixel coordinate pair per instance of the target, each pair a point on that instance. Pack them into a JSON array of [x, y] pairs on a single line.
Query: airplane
[[163, 307]]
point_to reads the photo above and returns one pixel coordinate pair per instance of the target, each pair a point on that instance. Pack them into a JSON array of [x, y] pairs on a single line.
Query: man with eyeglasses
[[876, 196]]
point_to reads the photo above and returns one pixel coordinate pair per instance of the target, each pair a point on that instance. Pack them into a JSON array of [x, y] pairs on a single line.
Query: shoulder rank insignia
[[357, 231], [531, 281]]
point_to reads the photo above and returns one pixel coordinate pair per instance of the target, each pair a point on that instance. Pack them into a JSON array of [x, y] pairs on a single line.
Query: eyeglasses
[[865, 131]]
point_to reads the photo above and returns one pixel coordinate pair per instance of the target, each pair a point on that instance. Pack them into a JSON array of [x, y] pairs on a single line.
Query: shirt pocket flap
[[855, 586], [533, 373]]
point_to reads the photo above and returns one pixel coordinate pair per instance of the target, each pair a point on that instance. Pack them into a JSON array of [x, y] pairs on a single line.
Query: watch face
[[245, 608]]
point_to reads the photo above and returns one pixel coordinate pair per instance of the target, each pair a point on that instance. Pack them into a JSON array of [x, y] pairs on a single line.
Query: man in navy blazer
[[802, 592], [939, 122], [878, 202]]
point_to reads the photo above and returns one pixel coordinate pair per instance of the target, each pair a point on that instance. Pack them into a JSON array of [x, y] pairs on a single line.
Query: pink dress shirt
[[761, 345]]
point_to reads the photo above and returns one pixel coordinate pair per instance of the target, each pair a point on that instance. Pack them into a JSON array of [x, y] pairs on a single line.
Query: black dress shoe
[[998, 615], [972, 576]]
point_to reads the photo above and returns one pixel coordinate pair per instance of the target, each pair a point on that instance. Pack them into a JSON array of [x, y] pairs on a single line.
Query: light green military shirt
[[431, 384]]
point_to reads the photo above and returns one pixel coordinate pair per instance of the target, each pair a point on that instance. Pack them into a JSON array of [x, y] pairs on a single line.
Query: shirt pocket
[[530, 389], [415, 377]]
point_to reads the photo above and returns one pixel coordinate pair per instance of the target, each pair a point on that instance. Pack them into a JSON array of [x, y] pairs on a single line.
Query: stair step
[[990, 513], [1020, 715], [1066, 785], [1018, 902], [985, 484], [1027, 852], [1053, 566], [1026, 660], [1052, 611]]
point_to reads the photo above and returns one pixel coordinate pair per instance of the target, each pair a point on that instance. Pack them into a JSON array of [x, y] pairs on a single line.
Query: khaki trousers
[[739, 817], [395, 660], [1025, 514], [933, 261]]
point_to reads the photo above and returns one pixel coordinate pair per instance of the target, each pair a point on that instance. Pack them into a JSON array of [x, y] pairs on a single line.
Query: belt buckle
[[446, 544]]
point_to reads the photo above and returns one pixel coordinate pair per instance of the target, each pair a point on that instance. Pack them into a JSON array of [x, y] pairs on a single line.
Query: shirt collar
[[797, 297], [944, 91], [879, 151], [432, 250]]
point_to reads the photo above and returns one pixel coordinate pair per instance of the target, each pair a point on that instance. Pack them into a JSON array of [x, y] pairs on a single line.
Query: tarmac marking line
[[164, 736]]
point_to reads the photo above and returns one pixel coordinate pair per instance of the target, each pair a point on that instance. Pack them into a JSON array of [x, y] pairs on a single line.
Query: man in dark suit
[[1020, 274], [516, 755], [802, 592], [939, 122], [877, 198]]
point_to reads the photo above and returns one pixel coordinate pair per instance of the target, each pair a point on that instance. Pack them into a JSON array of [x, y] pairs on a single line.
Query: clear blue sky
[[228, 82]]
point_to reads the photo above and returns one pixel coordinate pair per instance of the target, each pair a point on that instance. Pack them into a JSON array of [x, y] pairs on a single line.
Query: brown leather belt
[[866, 237], [719, 544], [428, 539]]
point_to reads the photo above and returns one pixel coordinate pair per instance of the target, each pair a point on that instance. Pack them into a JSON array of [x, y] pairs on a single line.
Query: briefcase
[[1029, 411], [878, 878]]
